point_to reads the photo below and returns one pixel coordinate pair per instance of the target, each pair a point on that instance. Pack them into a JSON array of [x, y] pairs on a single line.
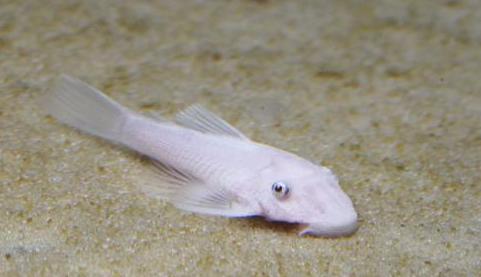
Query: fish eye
[[280, 190]]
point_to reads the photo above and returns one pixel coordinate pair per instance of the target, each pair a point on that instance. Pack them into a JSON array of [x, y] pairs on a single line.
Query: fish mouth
[[338, 228]]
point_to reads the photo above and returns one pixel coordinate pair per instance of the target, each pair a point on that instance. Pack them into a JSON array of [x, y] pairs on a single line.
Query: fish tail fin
[[79, 105]]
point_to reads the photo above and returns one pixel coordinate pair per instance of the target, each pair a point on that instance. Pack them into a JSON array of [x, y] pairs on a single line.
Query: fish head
[[300, 192]]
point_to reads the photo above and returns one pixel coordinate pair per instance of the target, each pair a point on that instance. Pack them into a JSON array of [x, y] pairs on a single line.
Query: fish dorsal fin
[[200, 119], [189, 193]]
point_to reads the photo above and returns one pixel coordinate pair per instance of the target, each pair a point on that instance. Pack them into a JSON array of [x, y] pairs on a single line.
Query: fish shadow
[[260, 223]]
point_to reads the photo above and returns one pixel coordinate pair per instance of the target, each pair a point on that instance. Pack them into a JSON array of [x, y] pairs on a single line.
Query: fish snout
[[337, 216], [333, 226]]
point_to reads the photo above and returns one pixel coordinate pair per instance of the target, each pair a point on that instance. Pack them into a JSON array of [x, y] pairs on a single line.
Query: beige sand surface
[[387, 94]]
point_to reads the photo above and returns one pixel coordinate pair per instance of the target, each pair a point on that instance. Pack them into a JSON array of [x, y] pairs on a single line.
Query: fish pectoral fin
[[200, 119], [188, 193], [203, 199]]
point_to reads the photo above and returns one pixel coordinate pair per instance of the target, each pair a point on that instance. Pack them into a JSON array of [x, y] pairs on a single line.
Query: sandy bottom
[[386, 94]]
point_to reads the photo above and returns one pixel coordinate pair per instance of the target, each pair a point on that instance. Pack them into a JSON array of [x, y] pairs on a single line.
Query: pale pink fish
[[205, 165]]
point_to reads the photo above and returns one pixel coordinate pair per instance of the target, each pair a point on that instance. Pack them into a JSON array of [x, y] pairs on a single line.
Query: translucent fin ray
[[189, 193], [200, 119], [79, 105]]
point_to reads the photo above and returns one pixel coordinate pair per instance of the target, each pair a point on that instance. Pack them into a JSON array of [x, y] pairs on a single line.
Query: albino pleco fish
[[204, 165]]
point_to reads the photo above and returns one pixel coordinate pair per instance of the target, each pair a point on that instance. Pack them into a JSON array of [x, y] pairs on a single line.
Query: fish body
[[204, 165]]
